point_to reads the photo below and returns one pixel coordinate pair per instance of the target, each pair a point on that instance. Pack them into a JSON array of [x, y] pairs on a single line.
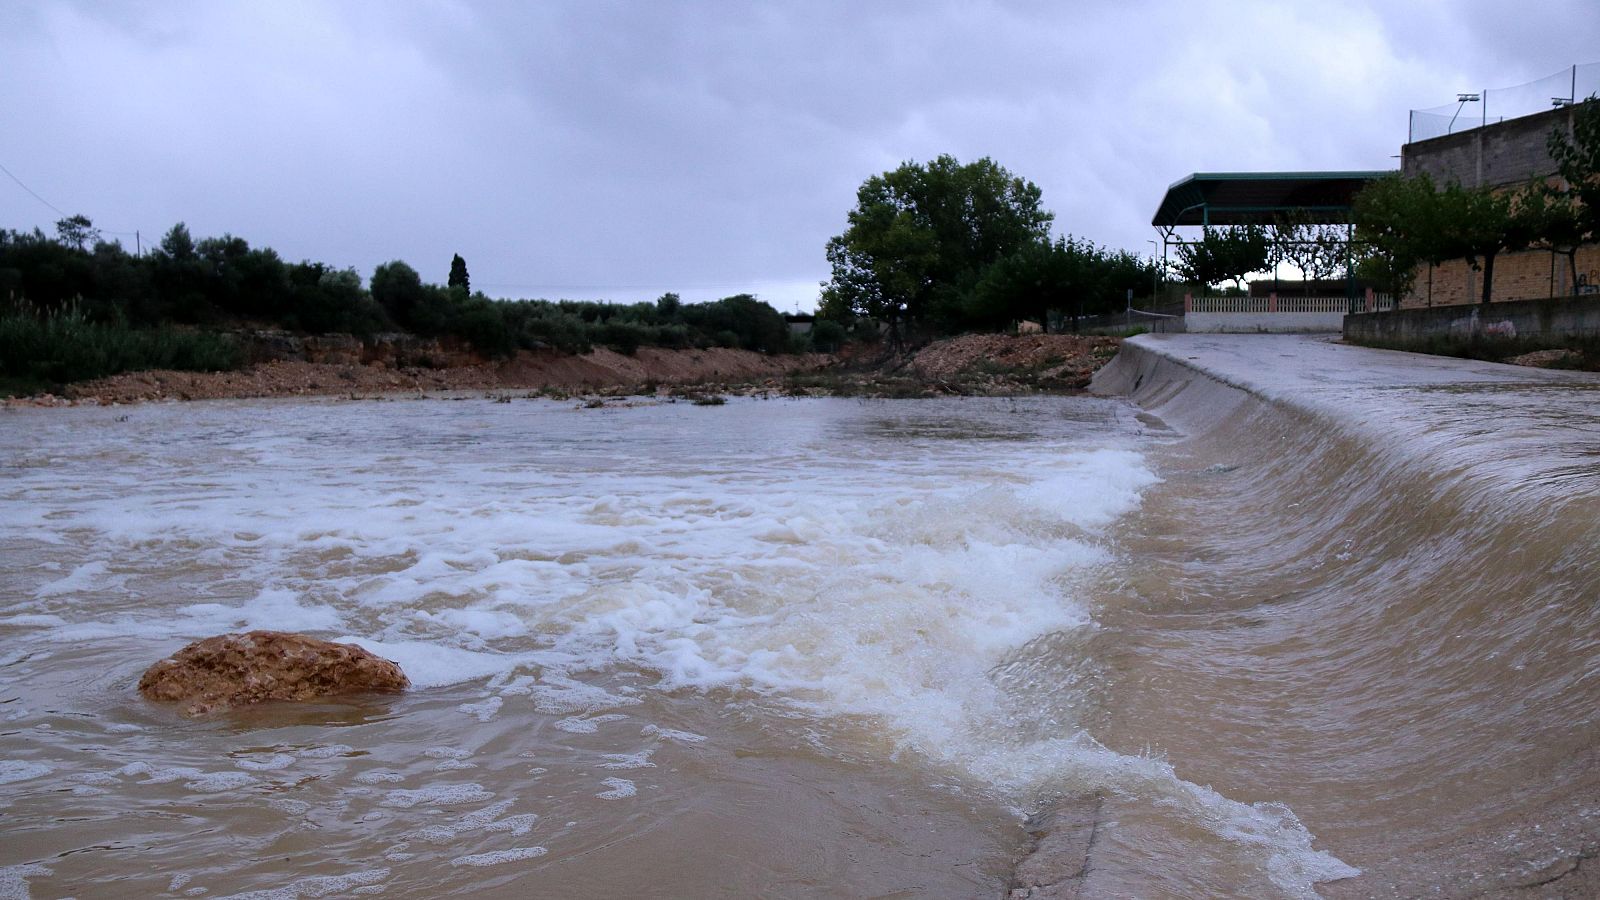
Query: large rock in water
[[240, 669]]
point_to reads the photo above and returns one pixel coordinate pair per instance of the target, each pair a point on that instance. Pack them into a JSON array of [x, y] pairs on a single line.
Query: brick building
[[1499, 155]]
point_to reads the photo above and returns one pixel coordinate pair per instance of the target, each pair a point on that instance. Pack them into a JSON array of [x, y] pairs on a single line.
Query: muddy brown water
[[796, 649]]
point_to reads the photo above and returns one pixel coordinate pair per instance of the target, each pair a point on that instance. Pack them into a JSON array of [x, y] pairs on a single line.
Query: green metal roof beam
[[1231, 198]]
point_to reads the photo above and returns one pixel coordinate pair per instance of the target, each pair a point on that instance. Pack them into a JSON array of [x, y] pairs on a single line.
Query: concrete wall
[[1509, 152], [1560, 317], [1258, 322], [1503, 155]]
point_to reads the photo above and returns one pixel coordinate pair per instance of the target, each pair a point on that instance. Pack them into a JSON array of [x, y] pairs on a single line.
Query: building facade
[[1503, 155]]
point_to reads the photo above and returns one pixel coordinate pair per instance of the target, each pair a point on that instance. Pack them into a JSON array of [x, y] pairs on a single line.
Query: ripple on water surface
[[609, 621]]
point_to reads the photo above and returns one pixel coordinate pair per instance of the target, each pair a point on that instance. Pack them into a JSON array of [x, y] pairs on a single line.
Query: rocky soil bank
[[989, 364], [975, 364], [599, 370]]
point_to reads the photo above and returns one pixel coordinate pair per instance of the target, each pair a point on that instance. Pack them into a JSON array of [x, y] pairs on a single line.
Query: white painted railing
[[1374, 303], [1247, 315], [1272, 303]]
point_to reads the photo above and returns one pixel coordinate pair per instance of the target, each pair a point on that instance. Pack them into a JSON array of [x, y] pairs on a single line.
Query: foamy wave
[[853, 574]]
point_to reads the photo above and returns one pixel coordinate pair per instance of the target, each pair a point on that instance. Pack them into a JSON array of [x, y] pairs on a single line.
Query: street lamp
[[1463, 99], [1155, 275]]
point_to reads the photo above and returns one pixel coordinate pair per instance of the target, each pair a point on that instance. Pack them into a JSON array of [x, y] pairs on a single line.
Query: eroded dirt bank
[[989, 364], [598, 370]]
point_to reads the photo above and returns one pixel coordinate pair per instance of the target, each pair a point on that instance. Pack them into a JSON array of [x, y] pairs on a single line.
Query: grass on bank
[[45, 352]]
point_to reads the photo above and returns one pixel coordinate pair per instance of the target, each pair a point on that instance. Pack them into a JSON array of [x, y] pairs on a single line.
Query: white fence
[[1276, 314]]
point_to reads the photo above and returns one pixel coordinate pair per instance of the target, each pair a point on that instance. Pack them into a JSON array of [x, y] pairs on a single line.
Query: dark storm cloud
[[594, 149]]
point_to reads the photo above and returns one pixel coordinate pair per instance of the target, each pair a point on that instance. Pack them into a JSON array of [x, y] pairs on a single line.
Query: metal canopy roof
[[1238, 198]]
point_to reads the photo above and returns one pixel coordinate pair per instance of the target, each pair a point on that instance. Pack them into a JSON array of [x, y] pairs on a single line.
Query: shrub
[[827, 336], [65, 346]]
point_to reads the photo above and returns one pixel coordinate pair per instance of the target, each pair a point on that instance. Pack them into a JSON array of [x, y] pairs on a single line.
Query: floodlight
[[1464, 100]]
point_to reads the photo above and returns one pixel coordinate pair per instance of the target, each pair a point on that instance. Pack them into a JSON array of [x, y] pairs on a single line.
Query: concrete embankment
[[1370, 595], [1554, 319], [1438, 413]]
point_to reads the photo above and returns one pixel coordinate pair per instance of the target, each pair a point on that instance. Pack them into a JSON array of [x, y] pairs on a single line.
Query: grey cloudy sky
[[594, 150]]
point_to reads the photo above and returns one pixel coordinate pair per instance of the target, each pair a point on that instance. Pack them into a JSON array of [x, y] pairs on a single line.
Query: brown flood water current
[[820, 648]]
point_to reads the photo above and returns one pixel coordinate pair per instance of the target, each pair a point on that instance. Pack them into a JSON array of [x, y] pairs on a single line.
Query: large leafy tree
[[920, 236], [458, 274]]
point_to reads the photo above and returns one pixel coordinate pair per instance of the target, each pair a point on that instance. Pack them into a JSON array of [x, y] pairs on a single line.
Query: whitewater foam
[[497, 857], [877, 569]]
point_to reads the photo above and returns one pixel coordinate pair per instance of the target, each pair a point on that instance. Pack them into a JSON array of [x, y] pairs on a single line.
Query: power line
[[31, 192], [58, 211]]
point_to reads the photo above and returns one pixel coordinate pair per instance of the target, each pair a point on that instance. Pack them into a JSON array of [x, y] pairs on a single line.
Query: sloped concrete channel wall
[[1559, 317], [1433, 469]]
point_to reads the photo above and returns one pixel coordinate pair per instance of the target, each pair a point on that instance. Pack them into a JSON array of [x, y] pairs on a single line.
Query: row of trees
[[222, 283], [183, 281], [944, 247], [1402, 222], [1230, 253]]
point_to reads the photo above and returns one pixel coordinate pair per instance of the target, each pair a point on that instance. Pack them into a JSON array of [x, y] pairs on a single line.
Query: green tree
[[920, 236], [1577, 159], [740, 321], [1316, 249], [827, 336], [179, 277], [177, 244], [1556, 221], [458, 274], [1071, 276], [398, 289], [1478, 225], [77, 232], [1404, 221], [1033, 280], [1573, 210], [1397, 227], [1224, 254]]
